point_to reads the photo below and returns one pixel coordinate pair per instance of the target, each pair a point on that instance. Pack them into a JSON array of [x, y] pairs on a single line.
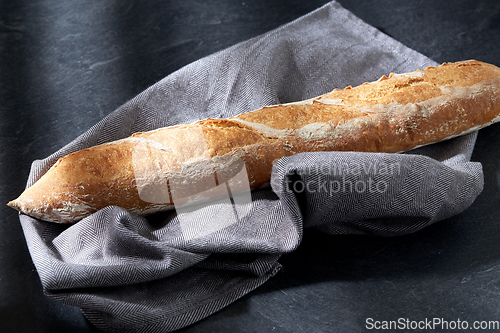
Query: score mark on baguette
[[393, 114]]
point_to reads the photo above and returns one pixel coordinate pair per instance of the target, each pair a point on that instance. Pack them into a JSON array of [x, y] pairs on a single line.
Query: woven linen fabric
[[134, 274], [377, 193]]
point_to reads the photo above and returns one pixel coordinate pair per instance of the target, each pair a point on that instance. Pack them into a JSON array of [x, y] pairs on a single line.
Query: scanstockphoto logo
[[210, 194], [335, 178], [431, 324], [217, 194]]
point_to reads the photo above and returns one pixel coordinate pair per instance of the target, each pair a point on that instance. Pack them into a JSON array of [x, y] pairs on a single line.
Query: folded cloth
[[134, 274], [379, 194]]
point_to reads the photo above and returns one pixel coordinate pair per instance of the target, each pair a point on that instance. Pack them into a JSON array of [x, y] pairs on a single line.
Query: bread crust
[[393, 114]]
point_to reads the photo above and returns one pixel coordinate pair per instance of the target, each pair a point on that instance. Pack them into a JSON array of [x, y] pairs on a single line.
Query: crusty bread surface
[[147, 171]]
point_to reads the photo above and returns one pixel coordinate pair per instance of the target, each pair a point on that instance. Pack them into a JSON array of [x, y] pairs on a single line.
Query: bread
[[142, 172]]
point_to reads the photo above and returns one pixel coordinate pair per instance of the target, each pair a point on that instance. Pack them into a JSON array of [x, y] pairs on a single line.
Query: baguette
[[393, 114]]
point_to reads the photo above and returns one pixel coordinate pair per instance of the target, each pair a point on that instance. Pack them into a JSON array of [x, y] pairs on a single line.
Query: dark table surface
[[64, 65]]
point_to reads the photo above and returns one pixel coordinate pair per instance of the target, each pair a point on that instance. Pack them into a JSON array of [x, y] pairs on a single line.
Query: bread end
[[13, 204]]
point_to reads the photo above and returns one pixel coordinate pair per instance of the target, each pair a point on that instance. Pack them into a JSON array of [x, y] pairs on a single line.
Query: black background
[[65, 64]]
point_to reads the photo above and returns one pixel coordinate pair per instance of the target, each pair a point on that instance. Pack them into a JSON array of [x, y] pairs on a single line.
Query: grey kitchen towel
[[134, 274]]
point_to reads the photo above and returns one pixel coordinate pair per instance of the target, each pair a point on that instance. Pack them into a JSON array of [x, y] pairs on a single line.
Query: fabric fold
[[376, 193]]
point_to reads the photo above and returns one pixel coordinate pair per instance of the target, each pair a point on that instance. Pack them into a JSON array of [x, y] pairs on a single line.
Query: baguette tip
[[13, 204]]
